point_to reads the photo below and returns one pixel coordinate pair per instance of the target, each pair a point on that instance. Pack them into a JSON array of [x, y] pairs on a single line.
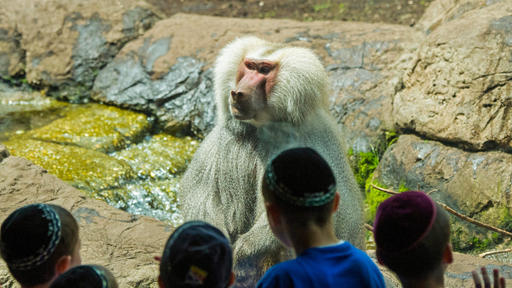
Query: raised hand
[[499, 282]]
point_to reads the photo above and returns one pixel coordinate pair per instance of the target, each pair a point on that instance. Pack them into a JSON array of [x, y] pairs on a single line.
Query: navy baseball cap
[[197, 254]]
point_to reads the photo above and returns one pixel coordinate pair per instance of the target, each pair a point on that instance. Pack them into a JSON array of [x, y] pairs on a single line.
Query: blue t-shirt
[[339, 265]]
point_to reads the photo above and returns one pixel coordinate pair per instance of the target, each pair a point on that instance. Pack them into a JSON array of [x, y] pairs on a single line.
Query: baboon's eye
[[251, 65], [265, 69]]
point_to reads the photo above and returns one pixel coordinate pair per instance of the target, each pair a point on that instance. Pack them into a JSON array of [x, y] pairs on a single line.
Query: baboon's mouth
[[240, 113]]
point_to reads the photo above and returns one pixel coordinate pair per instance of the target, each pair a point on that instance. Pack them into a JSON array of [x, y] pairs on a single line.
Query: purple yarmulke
[[403, 220]]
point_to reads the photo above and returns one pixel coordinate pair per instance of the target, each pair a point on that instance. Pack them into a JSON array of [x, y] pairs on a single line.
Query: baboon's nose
[[237, 95]]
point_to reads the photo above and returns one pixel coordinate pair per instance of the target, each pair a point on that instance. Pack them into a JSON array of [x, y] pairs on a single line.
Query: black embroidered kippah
[[27, 247], [301, 177]]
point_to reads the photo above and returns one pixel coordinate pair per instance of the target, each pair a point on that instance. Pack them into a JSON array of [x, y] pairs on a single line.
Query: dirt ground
[[406, 12]]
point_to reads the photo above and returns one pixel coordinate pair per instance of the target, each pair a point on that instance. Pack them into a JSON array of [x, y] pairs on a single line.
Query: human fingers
[[496, 278], [485, 276], [476, 279]]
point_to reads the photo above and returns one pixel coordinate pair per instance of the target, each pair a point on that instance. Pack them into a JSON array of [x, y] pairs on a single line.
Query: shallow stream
[[107, 152]]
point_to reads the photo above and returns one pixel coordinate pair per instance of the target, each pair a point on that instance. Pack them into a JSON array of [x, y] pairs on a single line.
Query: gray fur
[[223, 182]]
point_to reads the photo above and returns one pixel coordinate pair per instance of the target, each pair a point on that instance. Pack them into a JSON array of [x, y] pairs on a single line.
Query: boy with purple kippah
[[412, 235], [299, 190]]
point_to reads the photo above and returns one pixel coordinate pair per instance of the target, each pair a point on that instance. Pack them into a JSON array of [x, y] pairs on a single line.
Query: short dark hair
[[29, 229], [86, 276], [301, 183], [197, 254], [419, 257]]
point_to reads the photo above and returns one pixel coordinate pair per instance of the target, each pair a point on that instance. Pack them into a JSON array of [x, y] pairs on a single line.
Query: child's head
[[86, 276], [412, 235], [38, 242], [196, 255], [301, 185]]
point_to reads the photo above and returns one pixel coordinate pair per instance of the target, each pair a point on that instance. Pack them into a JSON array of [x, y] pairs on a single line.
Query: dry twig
[[368, 227], [483, 255]]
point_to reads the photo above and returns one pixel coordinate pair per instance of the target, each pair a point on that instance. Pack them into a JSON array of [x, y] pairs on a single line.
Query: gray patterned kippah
[[47, 248], [103, 278], [311, 199]]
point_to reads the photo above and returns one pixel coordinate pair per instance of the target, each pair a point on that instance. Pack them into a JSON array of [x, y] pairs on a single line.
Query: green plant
[[391, 137], [367, 162], [373, 198], [341, 8], [322, 6]]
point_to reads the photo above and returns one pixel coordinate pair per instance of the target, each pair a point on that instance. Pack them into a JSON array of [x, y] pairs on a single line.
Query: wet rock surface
[[182, 99], [86, 169], [95, 127]]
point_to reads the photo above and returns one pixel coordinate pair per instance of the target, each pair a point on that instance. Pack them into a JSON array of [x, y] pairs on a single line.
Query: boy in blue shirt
[[299, 191]]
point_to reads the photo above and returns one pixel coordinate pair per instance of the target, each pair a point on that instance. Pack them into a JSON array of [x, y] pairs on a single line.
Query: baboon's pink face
[[254, 82]]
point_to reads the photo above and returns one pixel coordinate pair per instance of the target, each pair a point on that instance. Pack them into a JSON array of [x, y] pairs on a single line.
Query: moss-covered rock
[[160, 156], [83, 168], [96, 127]]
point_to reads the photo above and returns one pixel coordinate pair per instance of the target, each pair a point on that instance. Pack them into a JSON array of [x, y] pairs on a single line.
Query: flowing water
[[109, 153]]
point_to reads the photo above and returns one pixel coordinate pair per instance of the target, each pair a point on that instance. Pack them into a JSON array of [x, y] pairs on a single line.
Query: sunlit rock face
[[63, 44], [458, 89]]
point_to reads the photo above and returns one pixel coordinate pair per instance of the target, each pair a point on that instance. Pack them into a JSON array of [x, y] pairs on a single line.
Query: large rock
[[63, 44], [442, 11], [167, 72], [122, 242], [367, 71], [458, 89], [12, 57], [475, 184]]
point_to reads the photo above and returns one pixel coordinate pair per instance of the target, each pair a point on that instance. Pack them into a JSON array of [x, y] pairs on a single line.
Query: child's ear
[[273, 213], [447, 254], [336, 202], [63, 264], [231, 279], [160, 282]]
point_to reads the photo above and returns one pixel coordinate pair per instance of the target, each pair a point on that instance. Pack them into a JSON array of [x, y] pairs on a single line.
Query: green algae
[[160, 156], [96, 127], [83, 168]]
